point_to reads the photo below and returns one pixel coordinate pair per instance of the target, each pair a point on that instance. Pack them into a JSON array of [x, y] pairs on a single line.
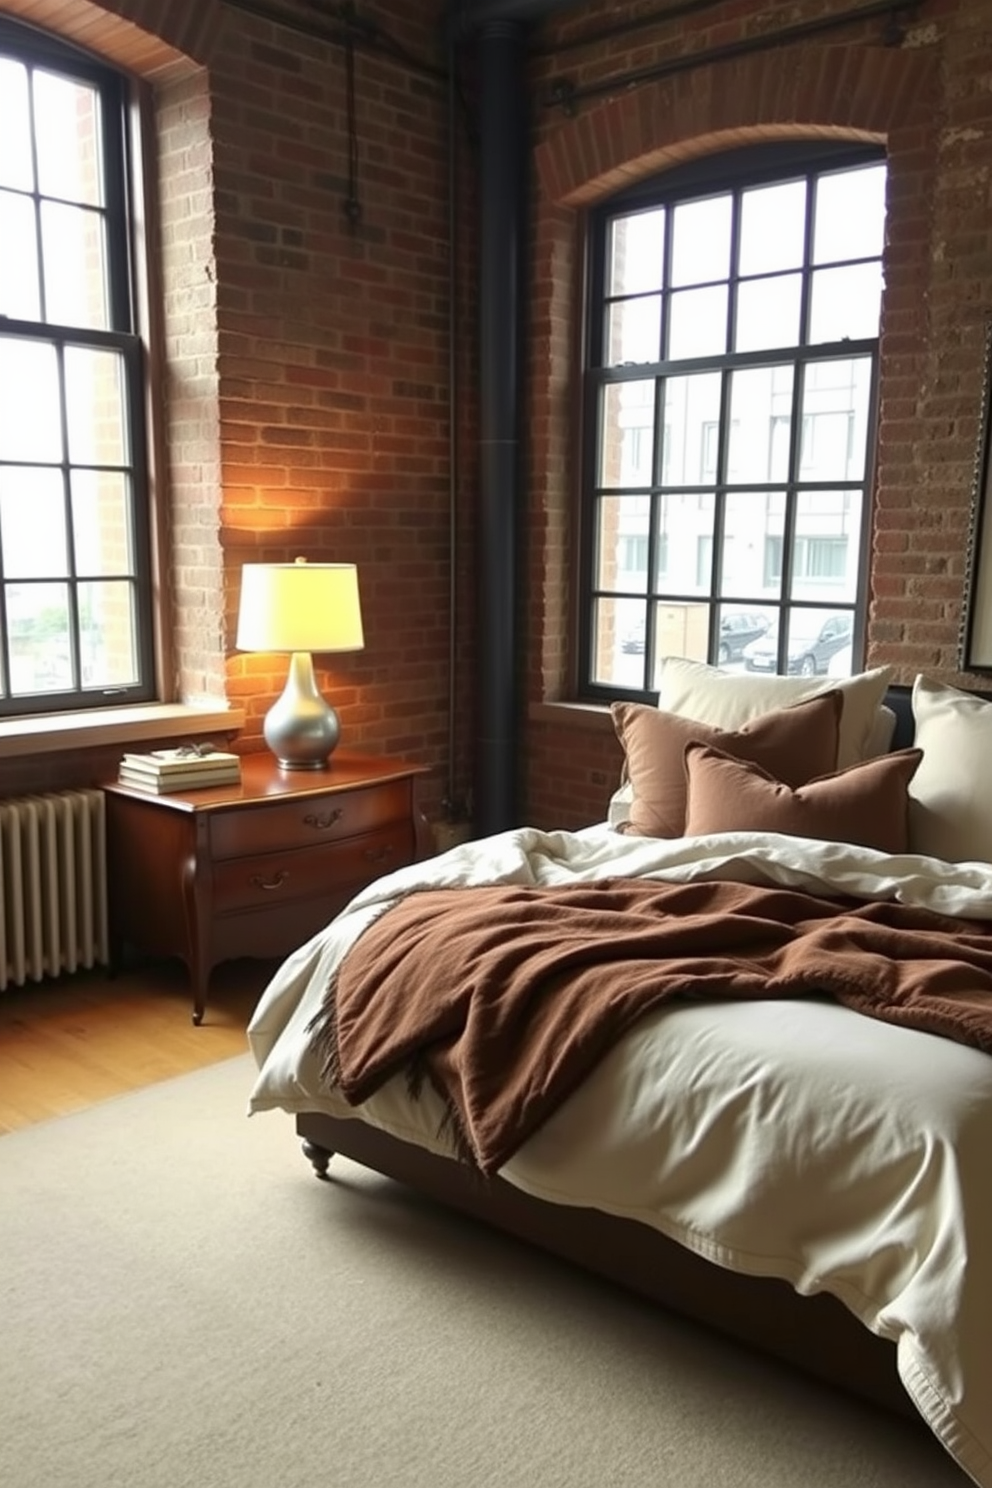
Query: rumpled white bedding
[[792, 1139]]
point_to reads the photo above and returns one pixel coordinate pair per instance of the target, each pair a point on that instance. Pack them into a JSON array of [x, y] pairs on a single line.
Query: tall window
[[75, 608], [730, 400]]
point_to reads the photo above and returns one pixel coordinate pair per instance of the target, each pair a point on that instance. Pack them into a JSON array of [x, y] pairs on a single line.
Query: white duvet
[[792, 1139]]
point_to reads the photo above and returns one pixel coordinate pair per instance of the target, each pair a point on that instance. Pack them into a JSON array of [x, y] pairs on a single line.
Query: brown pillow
[[866, 804], [794, 744]]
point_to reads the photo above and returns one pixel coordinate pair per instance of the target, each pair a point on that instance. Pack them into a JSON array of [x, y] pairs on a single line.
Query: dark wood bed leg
[[320, 1157]]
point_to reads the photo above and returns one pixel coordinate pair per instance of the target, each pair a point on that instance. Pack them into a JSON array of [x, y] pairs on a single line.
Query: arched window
[[730, 384], [75, 591]]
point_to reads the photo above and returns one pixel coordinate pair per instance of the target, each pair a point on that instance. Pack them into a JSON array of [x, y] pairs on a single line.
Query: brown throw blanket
[[505, 997]]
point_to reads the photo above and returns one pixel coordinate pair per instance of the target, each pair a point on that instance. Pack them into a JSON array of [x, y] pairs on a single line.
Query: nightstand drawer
[[269, 879], [308, 821]]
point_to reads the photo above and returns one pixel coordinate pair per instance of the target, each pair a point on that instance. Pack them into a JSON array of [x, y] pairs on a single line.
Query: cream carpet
[[182, 1303]]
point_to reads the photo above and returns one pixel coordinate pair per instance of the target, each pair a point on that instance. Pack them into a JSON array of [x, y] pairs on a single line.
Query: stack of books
[[189, 767]]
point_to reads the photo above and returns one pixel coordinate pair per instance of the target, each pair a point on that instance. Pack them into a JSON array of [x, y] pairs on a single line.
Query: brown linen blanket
[[505, 997]]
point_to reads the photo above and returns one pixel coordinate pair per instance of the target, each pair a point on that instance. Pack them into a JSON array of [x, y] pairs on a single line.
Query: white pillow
[[950, 803], [621, 801], [728, 700]]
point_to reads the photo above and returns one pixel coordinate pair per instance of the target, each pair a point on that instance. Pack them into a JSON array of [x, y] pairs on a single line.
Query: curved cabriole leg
[[319, 1157]]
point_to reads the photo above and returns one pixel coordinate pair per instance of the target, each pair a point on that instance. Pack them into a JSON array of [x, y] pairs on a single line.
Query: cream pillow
[[950, 799], [728, 700]]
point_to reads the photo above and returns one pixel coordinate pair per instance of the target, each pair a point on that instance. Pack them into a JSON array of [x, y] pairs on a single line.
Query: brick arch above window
[[151, 39], [851, 93]]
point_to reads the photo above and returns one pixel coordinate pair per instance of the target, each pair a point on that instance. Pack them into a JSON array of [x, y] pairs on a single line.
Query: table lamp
[[300, 608]]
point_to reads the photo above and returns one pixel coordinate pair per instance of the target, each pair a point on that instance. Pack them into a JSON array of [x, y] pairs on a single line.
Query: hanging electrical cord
[[352, 203], [359, 30]]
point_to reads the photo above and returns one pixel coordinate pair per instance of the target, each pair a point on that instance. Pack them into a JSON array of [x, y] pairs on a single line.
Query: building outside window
[[730, 399], [75, 596]]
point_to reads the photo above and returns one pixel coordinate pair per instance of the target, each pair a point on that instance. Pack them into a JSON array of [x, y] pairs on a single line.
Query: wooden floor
[[69, 1043]]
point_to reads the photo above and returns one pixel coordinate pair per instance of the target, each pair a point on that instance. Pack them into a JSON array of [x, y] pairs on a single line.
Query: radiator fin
[[53, 885]]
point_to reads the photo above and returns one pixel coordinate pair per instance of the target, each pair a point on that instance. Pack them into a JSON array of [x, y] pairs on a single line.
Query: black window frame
[[36, 49], [734, 171]]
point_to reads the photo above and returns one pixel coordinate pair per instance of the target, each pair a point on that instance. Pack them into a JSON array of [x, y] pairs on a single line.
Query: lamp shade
[[300, 607]]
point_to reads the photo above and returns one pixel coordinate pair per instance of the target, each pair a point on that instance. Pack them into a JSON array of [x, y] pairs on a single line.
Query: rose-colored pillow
[[866, 804], [794, 744]]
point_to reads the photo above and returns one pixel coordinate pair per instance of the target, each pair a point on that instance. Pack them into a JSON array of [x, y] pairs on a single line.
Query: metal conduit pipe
[[497, 30], [500, 198]]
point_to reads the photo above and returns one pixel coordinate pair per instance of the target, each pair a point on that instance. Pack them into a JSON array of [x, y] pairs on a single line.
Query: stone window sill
[[109, 727]]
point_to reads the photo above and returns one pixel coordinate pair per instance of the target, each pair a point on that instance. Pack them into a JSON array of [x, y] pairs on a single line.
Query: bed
[[783, 1167]]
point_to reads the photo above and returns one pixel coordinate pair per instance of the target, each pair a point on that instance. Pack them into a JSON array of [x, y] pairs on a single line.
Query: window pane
[[94, 390], [626, 429], [773, 228], [38, 622], [825, 548], [818, 638], [67, 122], [691, 417], [19, 293], [15, 126], [108, 652], [29, 408], [633, 331], [768, 313], [749, 518], [740, 630], [75, 274], [850, 215], [698, 323], [618, 643], [32, 523], [622, 543], [682, 629], [101, 517], [761, 416], [846, 303], [637, 253], [836, 398], [684, 519], [701, 240]]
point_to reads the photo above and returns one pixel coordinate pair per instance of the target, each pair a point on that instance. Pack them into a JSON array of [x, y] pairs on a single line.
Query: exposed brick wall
[[307, 395], [928, 100], [333, 361]]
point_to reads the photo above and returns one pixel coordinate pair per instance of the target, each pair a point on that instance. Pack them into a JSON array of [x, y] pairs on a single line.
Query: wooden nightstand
[[254, 869]]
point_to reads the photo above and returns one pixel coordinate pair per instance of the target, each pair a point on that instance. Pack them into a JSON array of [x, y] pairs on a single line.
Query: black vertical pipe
[[501, 138]]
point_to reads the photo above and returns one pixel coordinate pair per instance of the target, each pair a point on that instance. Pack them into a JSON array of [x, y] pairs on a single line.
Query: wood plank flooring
[[70, 1042]]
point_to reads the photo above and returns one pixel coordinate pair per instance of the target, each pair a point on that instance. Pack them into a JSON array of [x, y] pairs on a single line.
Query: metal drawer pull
[[376, 854], [258, 882], [321, 823]]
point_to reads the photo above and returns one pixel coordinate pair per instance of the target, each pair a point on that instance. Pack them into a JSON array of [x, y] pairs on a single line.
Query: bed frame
[[817, 1334]]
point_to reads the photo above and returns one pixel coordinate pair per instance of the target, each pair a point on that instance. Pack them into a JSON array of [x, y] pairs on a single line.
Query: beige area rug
[[183, 1303]]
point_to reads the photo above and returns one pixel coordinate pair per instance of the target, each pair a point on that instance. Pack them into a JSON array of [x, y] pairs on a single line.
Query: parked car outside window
[[738, 628], [810, 650]]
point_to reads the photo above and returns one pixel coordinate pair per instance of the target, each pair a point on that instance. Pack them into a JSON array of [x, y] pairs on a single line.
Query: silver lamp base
[[301, 728]]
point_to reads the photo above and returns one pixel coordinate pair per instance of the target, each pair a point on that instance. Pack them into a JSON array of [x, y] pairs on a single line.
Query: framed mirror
[[976, 629]]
